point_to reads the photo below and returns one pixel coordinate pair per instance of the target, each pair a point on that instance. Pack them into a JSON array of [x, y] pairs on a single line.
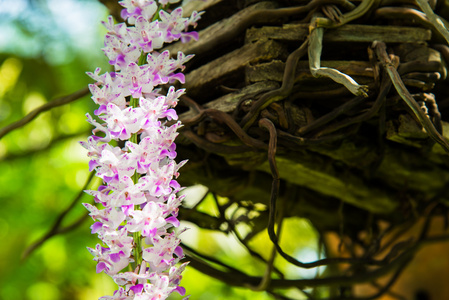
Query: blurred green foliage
[[46, 48]]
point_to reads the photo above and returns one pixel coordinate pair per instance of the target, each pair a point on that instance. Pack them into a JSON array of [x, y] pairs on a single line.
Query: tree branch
[[56, 228], [47, 106]]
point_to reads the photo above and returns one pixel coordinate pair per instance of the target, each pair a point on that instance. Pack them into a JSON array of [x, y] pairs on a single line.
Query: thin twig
[[11, 156], [56, 228], [278, 94], [363, 8], [266, 279], [213, 147], [47, 106], [207, 258], [384, 90], [239, 237], [323, 120]]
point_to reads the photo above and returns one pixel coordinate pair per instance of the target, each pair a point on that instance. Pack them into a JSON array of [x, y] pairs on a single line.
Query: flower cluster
[[139, 249]]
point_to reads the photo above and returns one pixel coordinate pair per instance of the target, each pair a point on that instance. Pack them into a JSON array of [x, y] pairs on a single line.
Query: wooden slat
[[218, 70], [274, 70], [345, 33]]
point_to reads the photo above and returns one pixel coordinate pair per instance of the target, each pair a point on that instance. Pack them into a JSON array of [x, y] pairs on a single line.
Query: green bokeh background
[[46, 46]]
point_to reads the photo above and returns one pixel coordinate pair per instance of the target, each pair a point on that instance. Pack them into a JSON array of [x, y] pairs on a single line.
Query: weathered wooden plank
[[274, 70], [297, 32], [369, 33], [232, 63], [345, 33]]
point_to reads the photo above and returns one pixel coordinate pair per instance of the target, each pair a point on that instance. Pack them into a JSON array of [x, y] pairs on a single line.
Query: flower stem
[[142, 59], [137, 248], [156, 15], [136, 235]]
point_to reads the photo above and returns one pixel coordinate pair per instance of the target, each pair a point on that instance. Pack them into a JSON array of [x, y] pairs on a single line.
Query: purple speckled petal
[[96, 226], [173, 220], [115, 257], [137, 289], [181, 290], [179, 252], [101, 266]]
